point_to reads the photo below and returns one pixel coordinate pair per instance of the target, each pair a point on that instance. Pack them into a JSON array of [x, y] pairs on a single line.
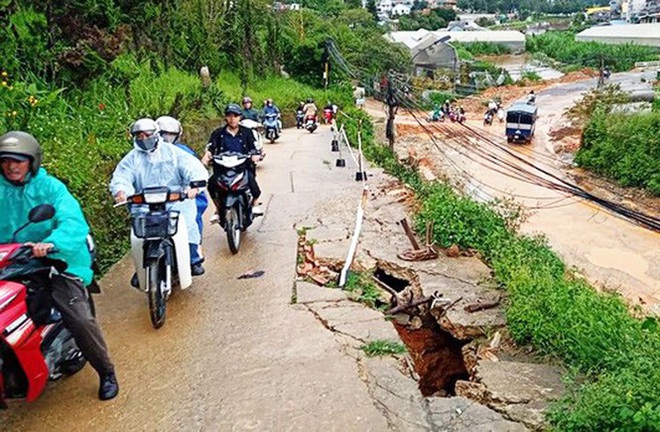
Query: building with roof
[[514, 40], [642, 34]]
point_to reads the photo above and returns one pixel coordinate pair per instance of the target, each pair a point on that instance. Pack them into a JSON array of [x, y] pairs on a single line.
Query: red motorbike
[[327, 115], [35, 346]]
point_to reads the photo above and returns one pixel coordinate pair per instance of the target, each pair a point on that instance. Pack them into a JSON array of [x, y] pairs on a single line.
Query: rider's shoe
[[257, 211], [197, 269], [109, 387], [215, 219], [135, 282]]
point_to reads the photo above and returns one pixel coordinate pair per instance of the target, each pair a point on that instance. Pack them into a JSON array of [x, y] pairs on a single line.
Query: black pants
[[70, 298], [217, 193]]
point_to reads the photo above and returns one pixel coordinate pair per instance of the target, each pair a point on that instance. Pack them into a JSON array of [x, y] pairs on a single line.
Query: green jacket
[[67, 230]]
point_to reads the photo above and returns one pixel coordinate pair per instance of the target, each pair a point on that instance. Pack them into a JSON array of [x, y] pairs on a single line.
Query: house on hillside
[[642, 34], [463, 26], [401, 9]]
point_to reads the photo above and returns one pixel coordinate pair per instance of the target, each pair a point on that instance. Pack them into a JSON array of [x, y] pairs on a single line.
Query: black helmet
[[233, 109], [21, 146]]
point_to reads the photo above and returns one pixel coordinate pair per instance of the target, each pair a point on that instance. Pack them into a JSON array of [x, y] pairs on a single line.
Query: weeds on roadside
[[382, 347]]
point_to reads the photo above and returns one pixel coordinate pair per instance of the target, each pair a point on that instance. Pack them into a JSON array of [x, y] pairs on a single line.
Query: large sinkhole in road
[[437, 356]]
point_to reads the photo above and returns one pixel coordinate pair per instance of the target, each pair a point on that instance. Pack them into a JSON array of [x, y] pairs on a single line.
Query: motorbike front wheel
[[233, 230], [156, 298]]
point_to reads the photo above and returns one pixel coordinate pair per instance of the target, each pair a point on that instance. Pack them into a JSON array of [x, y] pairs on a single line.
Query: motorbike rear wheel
[[157, 306], [233, 230]]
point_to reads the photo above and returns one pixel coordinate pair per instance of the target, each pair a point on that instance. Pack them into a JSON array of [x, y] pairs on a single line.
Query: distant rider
[[271, 109], [249, 113], [310, 108], [153, 163], [25, 185]]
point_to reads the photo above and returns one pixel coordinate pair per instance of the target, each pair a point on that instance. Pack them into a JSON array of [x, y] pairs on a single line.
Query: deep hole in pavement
[[397, 284], [436, 356]]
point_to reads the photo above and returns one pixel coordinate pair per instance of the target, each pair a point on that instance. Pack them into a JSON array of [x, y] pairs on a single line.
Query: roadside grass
[[614, 356], [382, 347], [362, 289], [562, 46]]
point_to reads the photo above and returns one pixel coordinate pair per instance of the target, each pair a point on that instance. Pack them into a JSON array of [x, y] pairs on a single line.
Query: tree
[[371, 7], [419, 5]]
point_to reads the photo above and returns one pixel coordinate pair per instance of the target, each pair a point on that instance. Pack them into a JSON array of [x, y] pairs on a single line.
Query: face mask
[[147, 144], [169, 137]]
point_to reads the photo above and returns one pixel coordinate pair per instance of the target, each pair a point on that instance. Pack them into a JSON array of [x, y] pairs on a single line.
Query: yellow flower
[[4, 83], [4, 73], [14, 113]]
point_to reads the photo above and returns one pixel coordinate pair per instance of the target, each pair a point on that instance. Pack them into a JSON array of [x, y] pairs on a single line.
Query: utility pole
[[326, 66], [391, 102]]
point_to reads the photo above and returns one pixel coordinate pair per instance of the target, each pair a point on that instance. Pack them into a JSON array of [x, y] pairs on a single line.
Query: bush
[[623, 147]]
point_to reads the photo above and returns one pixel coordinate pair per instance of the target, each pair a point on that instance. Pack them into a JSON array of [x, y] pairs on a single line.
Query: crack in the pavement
[[329, 327], [363, 374], [429, 415]]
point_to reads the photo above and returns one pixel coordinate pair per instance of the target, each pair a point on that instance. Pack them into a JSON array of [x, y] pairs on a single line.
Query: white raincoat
[[168, 166]]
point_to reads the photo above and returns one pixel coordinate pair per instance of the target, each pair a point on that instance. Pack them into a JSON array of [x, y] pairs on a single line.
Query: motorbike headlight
[[155, 197]]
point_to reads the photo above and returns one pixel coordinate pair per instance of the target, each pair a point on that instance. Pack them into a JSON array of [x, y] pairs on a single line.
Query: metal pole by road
[[390, 100]]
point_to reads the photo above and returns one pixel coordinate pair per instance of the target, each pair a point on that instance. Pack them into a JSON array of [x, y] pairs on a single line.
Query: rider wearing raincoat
[[153, 163], [25, 185]]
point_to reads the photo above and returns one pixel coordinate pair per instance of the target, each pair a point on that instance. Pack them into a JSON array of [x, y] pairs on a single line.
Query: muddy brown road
[[611, 252], [233, 354]]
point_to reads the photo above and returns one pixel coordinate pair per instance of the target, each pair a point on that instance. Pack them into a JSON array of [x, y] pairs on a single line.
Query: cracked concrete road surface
[[233, 354]]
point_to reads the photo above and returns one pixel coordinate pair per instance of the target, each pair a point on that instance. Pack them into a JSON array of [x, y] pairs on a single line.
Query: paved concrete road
[[233, 354]]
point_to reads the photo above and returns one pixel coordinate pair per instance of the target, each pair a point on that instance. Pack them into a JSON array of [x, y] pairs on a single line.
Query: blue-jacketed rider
[[25, 185], [154, 163], [271, 109]]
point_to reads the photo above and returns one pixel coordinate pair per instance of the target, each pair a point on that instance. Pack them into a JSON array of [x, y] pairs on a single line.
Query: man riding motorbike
[[23, 186], [271, 108], [235, 138], [310, 108], [152, 163], [171, 131], [248, 112]]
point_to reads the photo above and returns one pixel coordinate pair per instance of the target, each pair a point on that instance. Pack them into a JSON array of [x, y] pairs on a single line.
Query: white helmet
[[149, 126], [169, 125]]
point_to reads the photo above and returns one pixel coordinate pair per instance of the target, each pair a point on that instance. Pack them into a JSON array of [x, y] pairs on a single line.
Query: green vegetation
[[527, 7], [623, 147], [613, 355], [435, 20], [363, 289], [483, 48], [561, 46], [382, 347]]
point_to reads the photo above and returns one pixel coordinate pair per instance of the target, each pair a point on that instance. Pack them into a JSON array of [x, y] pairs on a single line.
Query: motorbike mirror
[[198, 184], [40, 213]]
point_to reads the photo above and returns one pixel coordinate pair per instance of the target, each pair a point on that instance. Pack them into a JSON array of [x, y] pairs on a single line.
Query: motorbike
[[436, 115], [271, 127], [257, 130], [35, 346], [457, 117], [235, 206], [488, 118], [310, 123], [300, 116], [327, 115], [159, 246]]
